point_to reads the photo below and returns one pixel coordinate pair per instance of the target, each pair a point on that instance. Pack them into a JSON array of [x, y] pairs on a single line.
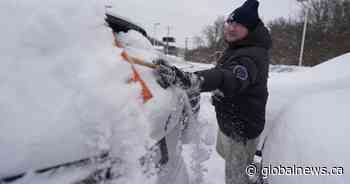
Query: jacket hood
[[259, 37]]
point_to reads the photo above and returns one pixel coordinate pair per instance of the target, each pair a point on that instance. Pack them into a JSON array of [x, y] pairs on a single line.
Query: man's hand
[[164, 73], [167, 75]]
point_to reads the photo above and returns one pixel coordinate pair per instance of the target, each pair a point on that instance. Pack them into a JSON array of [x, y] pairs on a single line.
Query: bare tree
[[214, 33], [327, 36], [328, 33], [198, 42], [209, 44]]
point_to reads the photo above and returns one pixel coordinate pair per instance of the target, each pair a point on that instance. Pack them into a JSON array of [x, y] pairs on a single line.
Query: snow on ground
[[213, 167]]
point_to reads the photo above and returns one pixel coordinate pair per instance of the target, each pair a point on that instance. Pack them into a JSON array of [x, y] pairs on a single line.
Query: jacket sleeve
[[211, 79], [232, 78]]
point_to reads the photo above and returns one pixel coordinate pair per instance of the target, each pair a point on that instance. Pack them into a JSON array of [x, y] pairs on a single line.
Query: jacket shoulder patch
[[240, 72]]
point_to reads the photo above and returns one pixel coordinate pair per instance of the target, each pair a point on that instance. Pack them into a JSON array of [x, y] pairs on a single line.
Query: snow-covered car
[[307, 123], [68, 114]]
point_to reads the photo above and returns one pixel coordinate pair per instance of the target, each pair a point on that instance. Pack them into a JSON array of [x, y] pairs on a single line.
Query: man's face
[[234, 31]]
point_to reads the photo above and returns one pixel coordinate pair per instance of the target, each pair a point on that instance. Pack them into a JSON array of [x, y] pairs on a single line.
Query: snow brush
[[135, 60], [136, 77], [146, 92]]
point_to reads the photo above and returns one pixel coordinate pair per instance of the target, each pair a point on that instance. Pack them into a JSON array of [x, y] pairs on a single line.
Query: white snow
[[308, 120], [63, 89], [64, 96]]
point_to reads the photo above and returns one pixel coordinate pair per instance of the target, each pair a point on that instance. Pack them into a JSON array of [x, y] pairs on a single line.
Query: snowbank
[[308, 120]]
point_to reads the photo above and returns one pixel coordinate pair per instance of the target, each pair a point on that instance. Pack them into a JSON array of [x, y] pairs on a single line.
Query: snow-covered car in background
[[308, 123]]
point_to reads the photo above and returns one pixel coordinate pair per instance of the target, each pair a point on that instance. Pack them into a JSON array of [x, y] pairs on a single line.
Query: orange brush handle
[[135, 60], [146, 92]]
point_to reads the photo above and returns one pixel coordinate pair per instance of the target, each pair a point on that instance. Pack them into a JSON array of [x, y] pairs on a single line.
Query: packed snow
[[64, 97], [308, 121]]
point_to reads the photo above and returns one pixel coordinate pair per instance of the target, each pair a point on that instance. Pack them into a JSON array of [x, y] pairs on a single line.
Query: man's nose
[[231, 27]]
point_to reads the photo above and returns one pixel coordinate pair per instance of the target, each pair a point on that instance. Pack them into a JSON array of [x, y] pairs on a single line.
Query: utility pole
[[154, 33], [168, 39], [167, 43], [186, 46], [304, 34], [108, 7]]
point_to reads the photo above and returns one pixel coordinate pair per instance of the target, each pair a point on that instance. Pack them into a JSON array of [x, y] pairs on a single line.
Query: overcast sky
[[188, 17]]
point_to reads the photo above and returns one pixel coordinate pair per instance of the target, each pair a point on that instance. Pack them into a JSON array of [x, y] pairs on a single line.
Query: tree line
[[327, 35]]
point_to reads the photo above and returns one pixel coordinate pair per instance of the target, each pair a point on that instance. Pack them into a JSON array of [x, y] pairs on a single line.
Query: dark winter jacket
[[239, 82]]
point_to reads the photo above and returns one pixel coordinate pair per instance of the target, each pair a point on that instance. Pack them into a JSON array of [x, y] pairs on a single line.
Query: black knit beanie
[[246, 15]]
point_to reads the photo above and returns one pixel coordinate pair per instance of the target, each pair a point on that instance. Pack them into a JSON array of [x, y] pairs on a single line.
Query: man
[[239, 85]]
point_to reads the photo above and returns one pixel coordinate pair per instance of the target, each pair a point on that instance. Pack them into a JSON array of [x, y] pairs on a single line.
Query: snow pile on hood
[[63, 90], [308, 121]]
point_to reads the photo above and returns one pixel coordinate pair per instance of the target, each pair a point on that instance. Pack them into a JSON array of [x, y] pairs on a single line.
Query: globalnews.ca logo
[[294, 170]]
